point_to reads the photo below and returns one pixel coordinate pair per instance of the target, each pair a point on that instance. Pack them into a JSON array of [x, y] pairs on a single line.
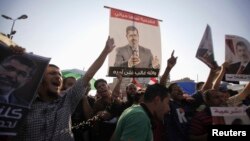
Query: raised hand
[[110, 44], [225, 65], [172, 60]]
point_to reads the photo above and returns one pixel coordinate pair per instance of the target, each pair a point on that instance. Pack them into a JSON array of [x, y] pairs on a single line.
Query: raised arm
[[171, 63], [116, 90], [217, 81], [211, 77], [99, 61], [87, 109]]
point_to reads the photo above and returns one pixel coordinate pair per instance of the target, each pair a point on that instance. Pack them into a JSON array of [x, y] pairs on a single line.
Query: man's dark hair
[[98, 81], [53, 65], [70, 77], [198, 84], [23, 60], [65, 79], [237, 121], [131, 28], [155, 90], [170, 87]]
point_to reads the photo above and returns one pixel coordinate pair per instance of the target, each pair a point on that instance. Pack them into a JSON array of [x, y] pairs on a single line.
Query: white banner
[[230, 115]]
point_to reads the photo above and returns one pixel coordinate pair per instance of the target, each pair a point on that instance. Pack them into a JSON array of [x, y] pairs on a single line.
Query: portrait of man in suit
[[133, 54], [243, 54], [15, 72]]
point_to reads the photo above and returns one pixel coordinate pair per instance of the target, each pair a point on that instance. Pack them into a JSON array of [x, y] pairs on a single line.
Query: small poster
[[20, 76], [205, 51], [237, 54]]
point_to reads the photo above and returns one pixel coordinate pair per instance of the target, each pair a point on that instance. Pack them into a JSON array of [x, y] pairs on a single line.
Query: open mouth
[[56, 83], [102, 91]]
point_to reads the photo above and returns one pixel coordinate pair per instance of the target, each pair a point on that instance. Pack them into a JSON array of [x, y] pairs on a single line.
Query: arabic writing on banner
[[10, 116], [133, 17], [133, 72], [237, 77], [230, 115]]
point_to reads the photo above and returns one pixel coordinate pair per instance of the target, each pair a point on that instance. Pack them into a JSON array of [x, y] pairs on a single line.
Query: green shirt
[[133, 125]]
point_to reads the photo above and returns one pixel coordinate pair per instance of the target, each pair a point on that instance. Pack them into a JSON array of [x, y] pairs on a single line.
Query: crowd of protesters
[[63, 110]]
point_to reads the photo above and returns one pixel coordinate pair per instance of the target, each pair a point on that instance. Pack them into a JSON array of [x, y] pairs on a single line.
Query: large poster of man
[[138, 51], [20, 75], [205, 50], [237, 54]]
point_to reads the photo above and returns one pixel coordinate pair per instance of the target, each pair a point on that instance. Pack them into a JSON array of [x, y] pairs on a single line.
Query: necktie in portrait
[[135, 52]]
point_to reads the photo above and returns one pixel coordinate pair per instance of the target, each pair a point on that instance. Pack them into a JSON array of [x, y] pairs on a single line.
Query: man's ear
[[157, 99]]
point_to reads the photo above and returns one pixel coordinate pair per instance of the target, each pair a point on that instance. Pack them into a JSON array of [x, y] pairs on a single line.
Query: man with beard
[[243, 66], [15, 72], [134, 55], [49, 118]]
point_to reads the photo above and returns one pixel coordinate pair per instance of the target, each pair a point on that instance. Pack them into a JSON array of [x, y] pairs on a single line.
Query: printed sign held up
[[20, 75], [237, 54], [138, 42], [230, 116], [205, 51]]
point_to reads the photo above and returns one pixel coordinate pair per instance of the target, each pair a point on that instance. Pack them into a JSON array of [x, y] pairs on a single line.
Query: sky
[[73, 33]]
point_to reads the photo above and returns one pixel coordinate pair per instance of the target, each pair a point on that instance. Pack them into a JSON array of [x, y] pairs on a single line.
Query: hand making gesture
[[172, 60], [110, 45]]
